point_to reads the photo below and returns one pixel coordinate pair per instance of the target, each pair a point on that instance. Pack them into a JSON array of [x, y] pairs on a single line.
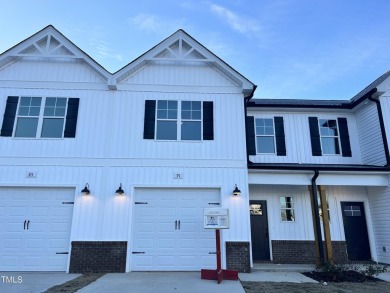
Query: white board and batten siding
[[35, 227], [302, 227], [370, 136], [297, 138]]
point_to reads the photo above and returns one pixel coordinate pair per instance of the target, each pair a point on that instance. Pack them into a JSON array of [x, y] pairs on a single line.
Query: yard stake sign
[[217, 218]]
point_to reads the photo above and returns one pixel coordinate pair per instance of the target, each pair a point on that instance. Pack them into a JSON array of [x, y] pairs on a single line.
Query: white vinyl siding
[[379, 210], [370, 136]]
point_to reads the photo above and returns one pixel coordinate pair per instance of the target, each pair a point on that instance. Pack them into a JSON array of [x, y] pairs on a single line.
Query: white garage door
[[168, 233], [35, 228]]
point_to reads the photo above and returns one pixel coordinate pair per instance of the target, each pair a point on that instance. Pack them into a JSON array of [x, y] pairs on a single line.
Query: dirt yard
[[272, 287]]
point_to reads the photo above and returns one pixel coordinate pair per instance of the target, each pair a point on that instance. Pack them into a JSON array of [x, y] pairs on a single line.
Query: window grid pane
[[29, 106], [55, 107]]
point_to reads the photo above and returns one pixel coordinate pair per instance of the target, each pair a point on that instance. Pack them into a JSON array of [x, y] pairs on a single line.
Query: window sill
[[38, 138]]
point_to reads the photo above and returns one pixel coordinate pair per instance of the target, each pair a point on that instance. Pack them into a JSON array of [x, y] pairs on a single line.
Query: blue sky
[[310, 49]]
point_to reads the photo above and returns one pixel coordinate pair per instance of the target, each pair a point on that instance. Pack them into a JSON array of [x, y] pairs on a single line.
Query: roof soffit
[[180, 48], [48, 44]]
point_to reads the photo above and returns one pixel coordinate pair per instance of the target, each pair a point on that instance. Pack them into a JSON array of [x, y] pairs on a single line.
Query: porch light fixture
[[120, 191], [236, 191], [86, 190]]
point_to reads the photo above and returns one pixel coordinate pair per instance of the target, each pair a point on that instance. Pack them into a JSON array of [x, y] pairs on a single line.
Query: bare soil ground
[[75, 284], [343, 287]]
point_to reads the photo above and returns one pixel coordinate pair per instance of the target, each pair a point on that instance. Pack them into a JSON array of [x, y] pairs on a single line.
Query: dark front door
[[355, 229], [259, 229]]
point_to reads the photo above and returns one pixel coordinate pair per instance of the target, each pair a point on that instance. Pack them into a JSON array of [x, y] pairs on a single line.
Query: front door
[[259, 230], [355, 229]]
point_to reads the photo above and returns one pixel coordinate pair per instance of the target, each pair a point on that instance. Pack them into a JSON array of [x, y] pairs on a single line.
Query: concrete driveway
[[32, 282], [167, 282]]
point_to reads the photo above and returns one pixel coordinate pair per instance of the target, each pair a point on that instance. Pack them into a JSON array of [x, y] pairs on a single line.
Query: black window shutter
[[344, 137], [250, 135], [208, 121], [315, 137], [71, 117], [9, 116], [279, 136], [149, 119]]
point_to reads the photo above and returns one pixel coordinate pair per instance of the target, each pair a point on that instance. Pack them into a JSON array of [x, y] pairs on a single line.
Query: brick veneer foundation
[[98, 257], [304, 252], [238, 256]]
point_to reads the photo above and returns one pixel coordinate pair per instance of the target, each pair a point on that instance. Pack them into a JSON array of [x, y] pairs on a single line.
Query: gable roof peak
[[50, 43]]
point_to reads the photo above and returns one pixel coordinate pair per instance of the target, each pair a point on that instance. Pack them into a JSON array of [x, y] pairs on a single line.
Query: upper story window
[[329, 137], [265, 136], [179, 120], [40, 117]]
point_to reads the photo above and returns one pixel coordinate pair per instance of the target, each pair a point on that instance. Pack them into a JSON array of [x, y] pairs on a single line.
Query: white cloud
[[155, 23], [241, 24]]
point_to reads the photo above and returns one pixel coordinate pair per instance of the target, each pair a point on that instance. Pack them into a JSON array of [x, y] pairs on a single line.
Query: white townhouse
[[111, 172], [334, 153]]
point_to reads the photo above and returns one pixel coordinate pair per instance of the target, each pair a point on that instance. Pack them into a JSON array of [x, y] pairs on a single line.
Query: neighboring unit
[[339, 150]]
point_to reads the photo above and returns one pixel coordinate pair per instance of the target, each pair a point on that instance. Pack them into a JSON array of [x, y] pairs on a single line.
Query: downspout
[[382, 126], [246, 101], [317, 217]]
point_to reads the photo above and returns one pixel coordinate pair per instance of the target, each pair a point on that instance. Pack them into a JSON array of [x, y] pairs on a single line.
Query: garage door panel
[[35, 243], [19, 211], [166, 244], [13, 243], [14, 226], [58, 243]]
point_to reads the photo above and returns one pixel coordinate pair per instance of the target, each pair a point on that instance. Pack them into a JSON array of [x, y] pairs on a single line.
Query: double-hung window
[[40, 117], [265, 136], [287, 209], [329, 136], [179, 120]]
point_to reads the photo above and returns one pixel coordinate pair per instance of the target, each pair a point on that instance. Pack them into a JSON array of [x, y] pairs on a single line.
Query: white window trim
[[179, 122], [321, 136], [263, 135], [41, 117]]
